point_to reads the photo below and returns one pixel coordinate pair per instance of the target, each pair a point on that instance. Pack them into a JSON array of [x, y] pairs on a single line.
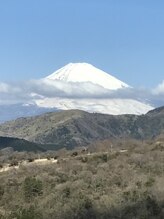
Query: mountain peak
[[84, 72]]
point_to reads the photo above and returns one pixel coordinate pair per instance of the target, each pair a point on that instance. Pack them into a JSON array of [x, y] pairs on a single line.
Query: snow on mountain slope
[[79, 74], [84, 72], [106, 106]]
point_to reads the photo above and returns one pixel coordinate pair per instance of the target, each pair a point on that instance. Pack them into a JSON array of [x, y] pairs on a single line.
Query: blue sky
[[124, 38]]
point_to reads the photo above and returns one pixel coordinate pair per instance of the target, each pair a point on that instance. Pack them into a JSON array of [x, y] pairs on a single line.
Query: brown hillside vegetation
[[77, 128], [124, 181]]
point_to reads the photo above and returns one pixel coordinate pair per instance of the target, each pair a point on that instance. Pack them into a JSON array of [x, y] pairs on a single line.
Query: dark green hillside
[[19, 144], [149, 125]]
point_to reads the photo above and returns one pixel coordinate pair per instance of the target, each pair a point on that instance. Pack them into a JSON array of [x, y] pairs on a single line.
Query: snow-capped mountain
[[75, 86], [81, 73], [84, 72]]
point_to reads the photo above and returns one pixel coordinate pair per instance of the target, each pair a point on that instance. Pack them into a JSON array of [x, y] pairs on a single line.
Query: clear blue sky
[[122, 37]]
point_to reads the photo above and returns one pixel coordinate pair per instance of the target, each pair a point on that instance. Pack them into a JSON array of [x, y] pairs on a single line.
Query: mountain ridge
[[76, 128]]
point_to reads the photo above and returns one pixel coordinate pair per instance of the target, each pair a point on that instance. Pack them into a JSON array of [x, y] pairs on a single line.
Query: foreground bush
[[32, 187], [102, 185]]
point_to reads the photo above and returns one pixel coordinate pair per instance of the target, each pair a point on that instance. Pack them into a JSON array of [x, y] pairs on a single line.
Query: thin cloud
[[159, 90], [4, 88], [13, 93], [27, 92], [48, 88]]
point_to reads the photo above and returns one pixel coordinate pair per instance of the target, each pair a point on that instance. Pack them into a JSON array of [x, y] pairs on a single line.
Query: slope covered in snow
[[78, 74], [107, 106], [84, 72]]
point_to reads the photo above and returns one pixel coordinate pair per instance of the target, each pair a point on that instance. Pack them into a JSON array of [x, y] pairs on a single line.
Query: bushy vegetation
[[122, 180]]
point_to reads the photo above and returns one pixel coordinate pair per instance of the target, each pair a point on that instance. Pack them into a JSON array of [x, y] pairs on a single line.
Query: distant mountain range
[[10, 112], [78, 86], [76, 128]]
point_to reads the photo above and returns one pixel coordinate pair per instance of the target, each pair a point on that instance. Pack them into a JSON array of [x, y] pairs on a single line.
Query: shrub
[[150, 182], [30, 160], [32, 187], [1, 191], [66, 192], [84, 159], [13, 163], [1, 165], [104, 157], [26, 213], [152, 206]]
